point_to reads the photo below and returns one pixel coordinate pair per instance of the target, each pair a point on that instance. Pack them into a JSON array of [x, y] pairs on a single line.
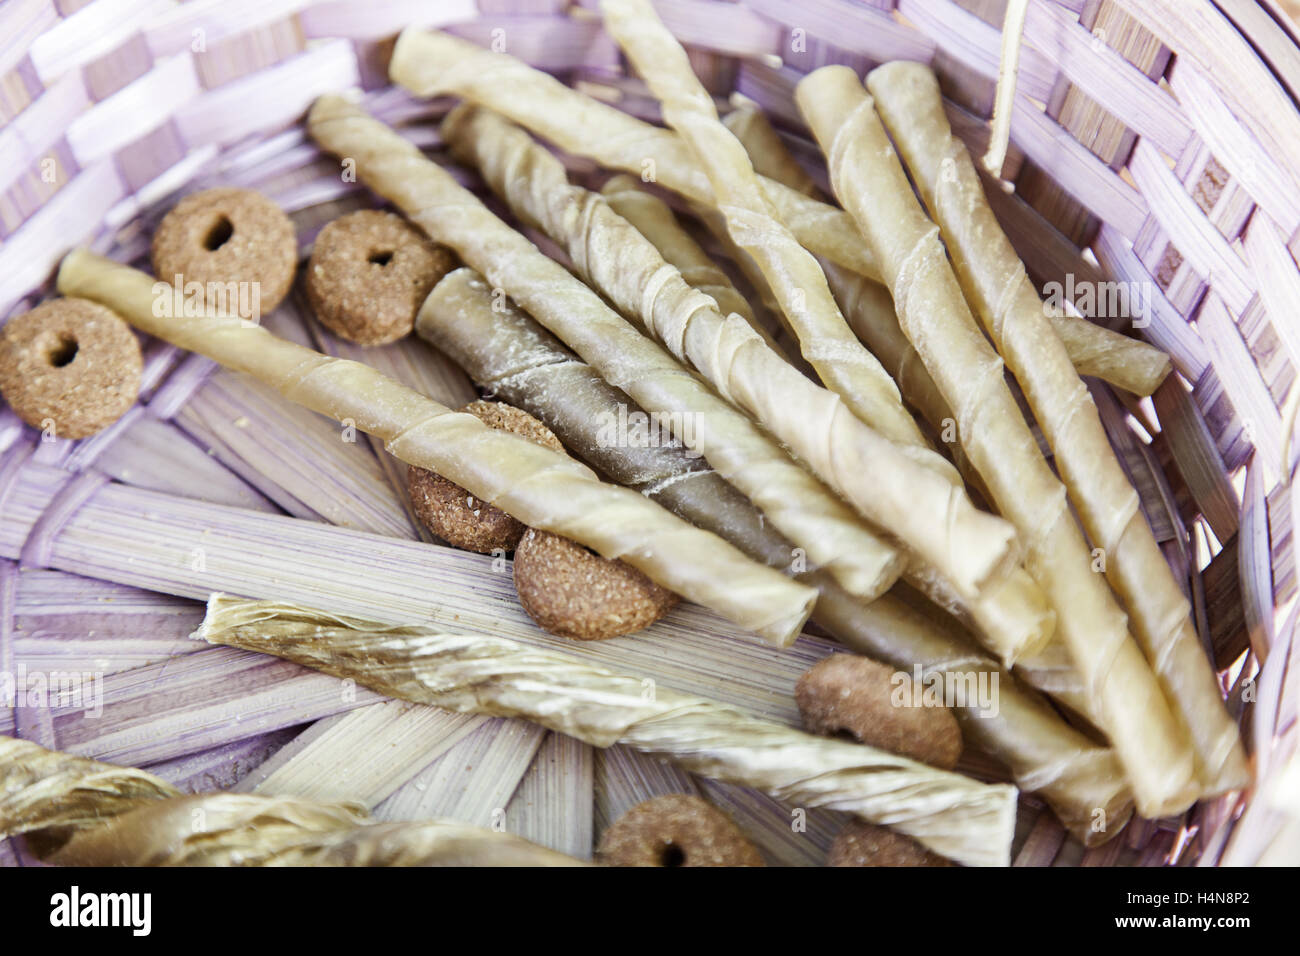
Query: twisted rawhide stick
[[655, 220], [853, 459], [796, 502], [542, 488], [951, 814], [994, 280], [791, 271], [1128, 703], [433, 64], [1010, 615], [513, 357], [80, 812]]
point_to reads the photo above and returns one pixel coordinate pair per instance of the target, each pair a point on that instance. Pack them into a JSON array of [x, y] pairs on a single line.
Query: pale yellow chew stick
[[799, 505], [750, 126], [994, 280], [655, 220], [1128, 701], [845, 366], [1015, 614], [433, 64], [847, 454], [542, 488]]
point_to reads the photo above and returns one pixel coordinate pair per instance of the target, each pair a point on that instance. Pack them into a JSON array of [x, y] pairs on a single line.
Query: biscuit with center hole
[[237, 244], [70, 367], [676, 830], [369, 273]]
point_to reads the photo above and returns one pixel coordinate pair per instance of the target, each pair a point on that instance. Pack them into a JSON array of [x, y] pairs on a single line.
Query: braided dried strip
[[951, 814], [540, 487], [1014, 612], [795, 501], [431, 64], [1128, 704], [994, 280], [80, 812], [792, 272], [838, 447], [512, 356]]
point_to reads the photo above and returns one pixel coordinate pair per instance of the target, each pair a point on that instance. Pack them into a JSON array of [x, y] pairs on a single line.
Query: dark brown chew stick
[[237, 244], [846, 693], [369, 273], [70, 367], [574, 593], [456, 516], [862, 844], [676, 830]]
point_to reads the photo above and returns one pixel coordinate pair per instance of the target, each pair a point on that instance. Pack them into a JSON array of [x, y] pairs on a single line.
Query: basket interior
[[1153, 142]]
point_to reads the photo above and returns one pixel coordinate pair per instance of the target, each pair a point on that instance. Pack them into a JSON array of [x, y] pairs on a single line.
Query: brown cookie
[[456, 516], [236, 243], [856, 695], [676, 830], [369, 273], [862, 844], [71, 366], [570, 591]]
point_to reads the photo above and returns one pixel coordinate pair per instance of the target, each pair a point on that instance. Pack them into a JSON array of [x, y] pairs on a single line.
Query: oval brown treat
[[846, 693], [570, 591], [70, 366], [676, 830], [456, 516], [369, 273], [235, 242], [863, 844]]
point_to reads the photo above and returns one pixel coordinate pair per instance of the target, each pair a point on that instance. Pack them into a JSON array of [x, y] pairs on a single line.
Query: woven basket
[[1153, 141]]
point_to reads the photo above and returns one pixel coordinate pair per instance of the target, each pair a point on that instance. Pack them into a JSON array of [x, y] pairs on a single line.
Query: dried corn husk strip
[[540, 487], [433, 64], [153, 541], [511, 356], [969, 822], [1126, 698], [792, 272], [854, 459], [792, 499], [553, 805], [995, 283], [80, 812]]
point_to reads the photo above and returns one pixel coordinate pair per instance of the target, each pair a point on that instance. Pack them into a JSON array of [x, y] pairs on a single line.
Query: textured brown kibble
[[846, 693], [574, 593], [369, 273], [676, 830], [456, 516], [228, 235], [71, 366], [862, 844]]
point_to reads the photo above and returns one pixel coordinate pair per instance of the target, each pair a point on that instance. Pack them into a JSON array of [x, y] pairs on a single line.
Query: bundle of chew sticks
[[890, 454]]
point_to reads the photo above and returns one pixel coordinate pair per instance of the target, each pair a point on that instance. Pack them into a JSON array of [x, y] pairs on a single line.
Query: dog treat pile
[[774, 449]]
